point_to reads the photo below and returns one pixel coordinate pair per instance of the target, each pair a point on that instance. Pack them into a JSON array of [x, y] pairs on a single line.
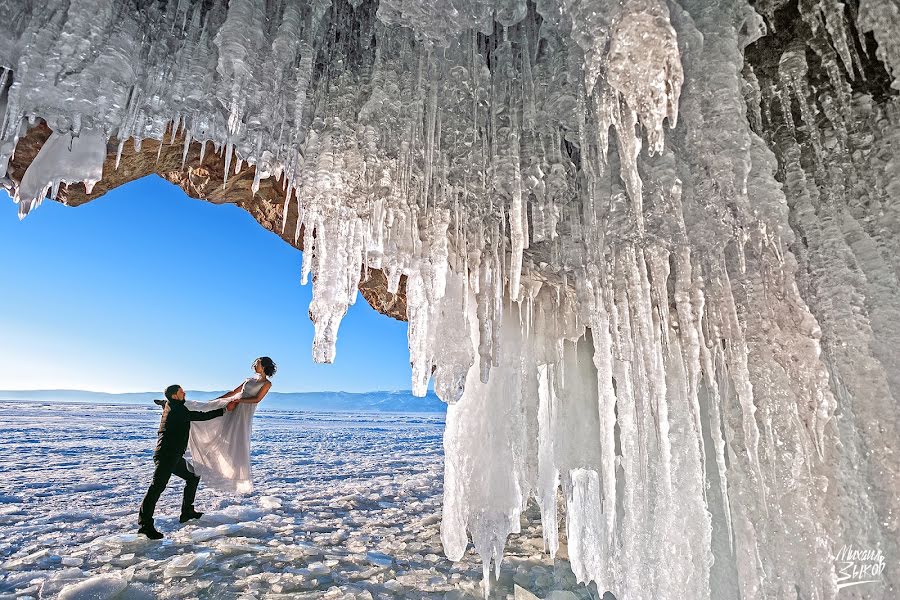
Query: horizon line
[[408, 391]]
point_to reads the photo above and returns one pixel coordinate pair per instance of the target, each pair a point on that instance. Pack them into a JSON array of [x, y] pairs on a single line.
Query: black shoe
[[151, 532], [187, 516]]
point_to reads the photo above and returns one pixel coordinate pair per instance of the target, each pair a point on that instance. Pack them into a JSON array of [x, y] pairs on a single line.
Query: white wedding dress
[[220, 448]]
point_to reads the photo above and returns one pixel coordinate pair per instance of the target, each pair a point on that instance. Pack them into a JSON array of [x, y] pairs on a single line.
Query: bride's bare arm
[[232, 392], [259, 396]]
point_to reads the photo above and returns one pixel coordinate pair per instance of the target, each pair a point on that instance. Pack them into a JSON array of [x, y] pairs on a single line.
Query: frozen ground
[[345, 506]]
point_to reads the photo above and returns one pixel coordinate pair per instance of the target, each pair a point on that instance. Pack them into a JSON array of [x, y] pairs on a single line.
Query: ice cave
[[648, 250]]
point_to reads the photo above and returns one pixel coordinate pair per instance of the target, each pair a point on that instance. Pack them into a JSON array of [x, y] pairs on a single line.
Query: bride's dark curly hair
[[268, 365]]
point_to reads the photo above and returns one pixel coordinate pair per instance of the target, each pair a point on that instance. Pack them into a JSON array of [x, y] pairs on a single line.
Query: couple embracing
[[220, 447]]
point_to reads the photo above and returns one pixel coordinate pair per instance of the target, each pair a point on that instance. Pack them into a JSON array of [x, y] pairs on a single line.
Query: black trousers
[[165, 468]]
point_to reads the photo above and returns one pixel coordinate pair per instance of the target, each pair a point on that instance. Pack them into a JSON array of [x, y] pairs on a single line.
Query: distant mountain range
[[402, 401]]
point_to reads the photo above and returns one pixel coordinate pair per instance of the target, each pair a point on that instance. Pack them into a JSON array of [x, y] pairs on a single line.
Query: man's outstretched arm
[[199, 415]]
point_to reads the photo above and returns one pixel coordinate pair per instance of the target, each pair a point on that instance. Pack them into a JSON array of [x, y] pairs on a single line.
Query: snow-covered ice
[[346, 506]]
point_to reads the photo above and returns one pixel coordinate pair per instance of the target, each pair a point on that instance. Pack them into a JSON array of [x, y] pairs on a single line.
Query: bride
[[220, 448]]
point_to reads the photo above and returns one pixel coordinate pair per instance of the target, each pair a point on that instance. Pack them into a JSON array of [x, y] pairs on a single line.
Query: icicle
[[689, 332], [736, 352], [62, 158], [603, 361], [417, 310], [645, 68], [119, 153], [548, 473], [187, 146], [286, 209], [176, 124], [257, 177], [228, 151]]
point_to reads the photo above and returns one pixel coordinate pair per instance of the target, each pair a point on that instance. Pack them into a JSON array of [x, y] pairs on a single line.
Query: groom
[[174, 429]]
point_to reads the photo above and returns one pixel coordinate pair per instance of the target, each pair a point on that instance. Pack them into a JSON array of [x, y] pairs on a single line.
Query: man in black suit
[[172, 440]]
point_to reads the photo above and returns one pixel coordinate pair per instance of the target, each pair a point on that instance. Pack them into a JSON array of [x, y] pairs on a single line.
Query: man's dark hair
[[172, 390]]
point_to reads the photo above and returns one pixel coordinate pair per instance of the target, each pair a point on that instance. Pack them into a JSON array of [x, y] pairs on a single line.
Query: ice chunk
[[211, 533], [27, 560], [234, 514], [318, 568], [122, 539], [185, 565], [99, 587], [270, 502], [379, 559]]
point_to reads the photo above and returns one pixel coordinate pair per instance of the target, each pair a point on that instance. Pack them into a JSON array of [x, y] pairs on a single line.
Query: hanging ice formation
[[651, 249]]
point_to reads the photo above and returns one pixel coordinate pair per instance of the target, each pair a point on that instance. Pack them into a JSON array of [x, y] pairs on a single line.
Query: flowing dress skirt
[[220, 448]]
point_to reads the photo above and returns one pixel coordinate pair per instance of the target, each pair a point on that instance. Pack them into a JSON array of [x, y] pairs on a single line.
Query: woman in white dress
[[220, 448]]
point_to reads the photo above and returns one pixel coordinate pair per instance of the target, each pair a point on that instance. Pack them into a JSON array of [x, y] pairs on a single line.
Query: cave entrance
[[144, 287], [146, 284]]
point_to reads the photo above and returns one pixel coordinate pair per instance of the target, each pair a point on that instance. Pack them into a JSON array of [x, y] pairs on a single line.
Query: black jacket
[[175, 427]]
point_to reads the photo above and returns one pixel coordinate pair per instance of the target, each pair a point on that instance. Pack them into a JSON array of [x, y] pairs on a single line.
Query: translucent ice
[[64, 158], [185, 565], [661, 323], [99, 587]]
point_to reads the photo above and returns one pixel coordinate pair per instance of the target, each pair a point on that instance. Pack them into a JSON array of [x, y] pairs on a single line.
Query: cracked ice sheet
[[346, 501]]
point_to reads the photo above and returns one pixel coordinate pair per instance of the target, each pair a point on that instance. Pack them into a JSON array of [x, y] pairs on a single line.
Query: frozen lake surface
[[346, 506]]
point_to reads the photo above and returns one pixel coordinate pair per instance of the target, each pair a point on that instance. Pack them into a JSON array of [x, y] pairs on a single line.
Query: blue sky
[[145, 287]]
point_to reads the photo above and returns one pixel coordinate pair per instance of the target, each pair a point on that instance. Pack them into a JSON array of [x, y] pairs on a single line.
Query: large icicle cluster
[[693, 333]]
